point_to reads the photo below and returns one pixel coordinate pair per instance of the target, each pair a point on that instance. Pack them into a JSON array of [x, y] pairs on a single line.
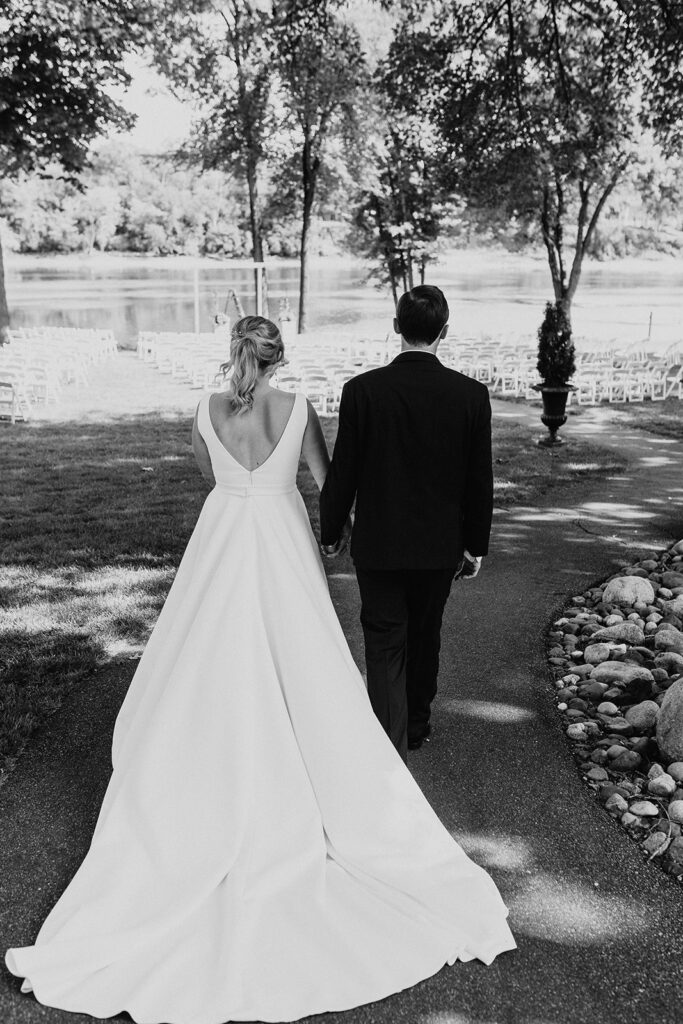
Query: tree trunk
[[392, 278], [585, 228], [255, 230], [549, 242], [309, 168], [565, 304], [4, 309], [254, 220], [303, 272], [552, 227]]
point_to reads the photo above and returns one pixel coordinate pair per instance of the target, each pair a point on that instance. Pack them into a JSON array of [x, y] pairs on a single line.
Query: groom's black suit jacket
[[414, 449]]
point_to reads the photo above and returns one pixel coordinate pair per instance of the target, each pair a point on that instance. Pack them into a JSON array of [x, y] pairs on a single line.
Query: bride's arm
[[314, 448], [201, 454], [314, 451]]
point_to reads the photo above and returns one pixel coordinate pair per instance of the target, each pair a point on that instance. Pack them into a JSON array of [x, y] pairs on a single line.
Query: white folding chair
[[8, 403]]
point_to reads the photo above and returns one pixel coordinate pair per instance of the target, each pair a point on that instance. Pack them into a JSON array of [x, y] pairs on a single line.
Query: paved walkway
[[600, 932]]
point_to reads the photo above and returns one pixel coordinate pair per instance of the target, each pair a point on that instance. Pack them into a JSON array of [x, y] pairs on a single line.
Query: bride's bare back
[[252, 437], [250, 418]]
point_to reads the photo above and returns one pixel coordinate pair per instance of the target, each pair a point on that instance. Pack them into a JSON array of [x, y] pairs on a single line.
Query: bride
[[262, 852]]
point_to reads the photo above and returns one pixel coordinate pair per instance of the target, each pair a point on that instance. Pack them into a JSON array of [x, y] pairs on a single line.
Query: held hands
[[334, 550], [471, 564]]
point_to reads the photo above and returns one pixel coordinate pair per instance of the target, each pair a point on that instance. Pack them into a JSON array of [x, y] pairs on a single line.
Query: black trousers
[[401, 614]]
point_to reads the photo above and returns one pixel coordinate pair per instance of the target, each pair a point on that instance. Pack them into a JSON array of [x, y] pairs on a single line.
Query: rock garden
[[617, 657]]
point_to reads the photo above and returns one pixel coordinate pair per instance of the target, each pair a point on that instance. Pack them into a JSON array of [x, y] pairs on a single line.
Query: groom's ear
[[444, 332], [397, 329]]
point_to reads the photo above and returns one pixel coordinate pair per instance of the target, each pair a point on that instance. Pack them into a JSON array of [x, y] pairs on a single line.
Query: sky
[[163, 121]]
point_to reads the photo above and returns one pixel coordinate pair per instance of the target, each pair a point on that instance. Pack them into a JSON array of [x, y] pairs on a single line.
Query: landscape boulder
[[669, 639], [670, 723], [626, 761], [675, 770], [644, 809], [628, 590], [643, 716], [625, 632], [675, 606], [670, 662], [616, 805], [675, 811], [594, 654], [662, 785], [620, 672]]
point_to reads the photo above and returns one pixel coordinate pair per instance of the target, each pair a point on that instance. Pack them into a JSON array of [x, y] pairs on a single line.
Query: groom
[[414, 450]]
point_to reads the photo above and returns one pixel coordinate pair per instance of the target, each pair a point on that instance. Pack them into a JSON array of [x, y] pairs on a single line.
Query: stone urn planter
[[556, 366], [553, 415]]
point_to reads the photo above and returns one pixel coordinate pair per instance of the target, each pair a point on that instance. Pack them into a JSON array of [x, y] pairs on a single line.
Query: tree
[[403, 206], [541, 103], [58, 61], [221, 56], [98, 216], [321, 69]]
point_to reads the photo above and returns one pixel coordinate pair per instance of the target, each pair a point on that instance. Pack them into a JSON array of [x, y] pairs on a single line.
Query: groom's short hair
[[421, 313]]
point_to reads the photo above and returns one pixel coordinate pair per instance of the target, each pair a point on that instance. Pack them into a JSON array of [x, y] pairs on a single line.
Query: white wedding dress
[[262, 852]]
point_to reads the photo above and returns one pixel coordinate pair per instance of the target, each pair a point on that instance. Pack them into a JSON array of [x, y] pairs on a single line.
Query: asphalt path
[[600, 932]]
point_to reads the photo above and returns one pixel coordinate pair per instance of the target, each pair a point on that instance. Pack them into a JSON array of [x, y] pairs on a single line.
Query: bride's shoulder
[[215, 407], [202, 406], [285, 399]]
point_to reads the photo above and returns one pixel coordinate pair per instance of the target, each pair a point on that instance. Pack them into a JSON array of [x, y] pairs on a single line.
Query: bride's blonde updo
[[255, 345]]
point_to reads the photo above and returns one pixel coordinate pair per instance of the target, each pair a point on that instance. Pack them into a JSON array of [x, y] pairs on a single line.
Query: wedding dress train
[[262, 852]]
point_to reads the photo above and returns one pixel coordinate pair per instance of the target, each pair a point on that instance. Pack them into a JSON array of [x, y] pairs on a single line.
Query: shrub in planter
[[556, 363]]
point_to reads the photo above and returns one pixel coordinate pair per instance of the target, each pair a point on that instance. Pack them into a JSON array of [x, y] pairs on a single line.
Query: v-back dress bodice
[[261, 852], [276, 474]]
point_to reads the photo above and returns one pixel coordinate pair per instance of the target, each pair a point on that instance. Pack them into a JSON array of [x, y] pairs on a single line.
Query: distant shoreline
[[471, 260]]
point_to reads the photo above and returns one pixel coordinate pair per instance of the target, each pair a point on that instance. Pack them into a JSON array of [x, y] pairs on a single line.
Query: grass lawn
[[94, 518], [662, 418]]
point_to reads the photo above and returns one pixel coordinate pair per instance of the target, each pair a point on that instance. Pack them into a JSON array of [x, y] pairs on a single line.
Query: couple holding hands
[[262, 851]]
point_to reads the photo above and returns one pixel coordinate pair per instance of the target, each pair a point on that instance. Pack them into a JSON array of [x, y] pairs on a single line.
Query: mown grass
[[94, 519], [662, 418]]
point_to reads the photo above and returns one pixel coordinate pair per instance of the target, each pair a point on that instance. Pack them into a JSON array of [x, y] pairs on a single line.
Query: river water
[[489, 293]]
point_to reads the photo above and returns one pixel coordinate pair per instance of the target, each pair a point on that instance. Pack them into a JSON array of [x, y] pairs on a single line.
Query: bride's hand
[[334, 550]]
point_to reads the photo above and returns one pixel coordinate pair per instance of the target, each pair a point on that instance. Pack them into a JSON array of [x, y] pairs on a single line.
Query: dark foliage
[[556, 363]]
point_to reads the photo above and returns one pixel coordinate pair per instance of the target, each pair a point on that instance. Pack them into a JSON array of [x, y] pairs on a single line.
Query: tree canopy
[[559, 121], [221, 57], [321, 69], [541, 104], [58, 62], [275, 84]]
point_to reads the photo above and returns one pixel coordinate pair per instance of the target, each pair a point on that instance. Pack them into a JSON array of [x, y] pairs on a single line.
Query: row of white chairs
[[318, 366], [189, 358], [95, 344], [321, 378], [603, 373], [38, 362], [321, 362]]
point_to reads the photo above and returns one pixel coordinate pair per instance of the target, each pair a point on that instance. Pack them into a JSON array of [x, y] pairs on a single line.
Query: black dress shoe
[[416, 739]]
